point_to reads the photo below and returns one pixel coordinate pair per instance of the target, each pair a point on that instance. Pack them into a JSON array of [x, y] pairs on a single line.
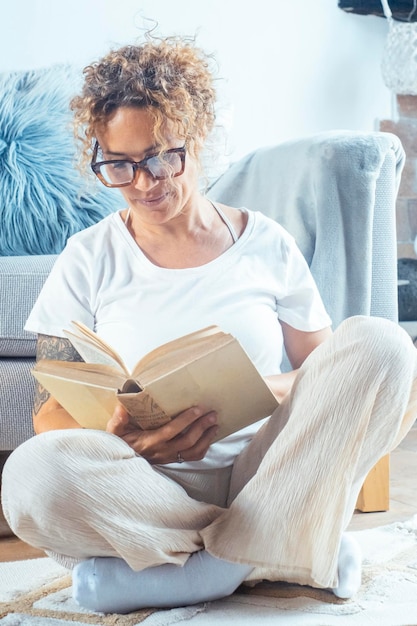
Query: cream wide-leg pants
[[83, 493]]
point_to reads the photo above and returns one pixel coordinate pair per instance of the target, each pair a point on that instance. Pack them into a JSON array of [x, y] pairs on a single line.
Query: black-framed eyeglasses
[[122, 172]]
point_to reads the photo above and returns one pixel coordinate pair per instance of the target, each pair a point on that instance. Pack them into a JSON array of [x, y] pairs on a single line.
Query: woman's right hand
[[187, 436]]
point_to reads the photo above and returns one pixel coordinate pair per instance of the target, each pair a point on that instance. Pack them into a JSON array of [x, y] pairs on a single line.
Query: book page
[[90, 373], [92, 348], [91, 406], [178, 352]]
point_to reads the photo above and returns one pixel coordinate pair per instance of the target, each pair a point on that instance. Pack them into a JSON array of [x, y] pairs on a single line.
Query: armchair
[[335, 193]]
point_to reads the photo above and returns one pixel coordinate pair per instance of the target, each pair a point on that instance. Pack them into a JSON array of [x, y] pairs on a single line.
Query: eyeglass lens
[[158, 166]]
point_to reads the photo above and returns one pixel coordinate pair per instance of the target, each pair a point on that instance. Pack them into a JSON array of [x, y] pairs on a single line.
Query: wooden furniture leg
[[374, 495]]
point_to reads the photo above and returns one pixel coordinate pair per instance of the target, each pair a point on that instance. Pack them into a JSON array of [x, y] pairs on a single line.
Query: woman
[[166, 518]]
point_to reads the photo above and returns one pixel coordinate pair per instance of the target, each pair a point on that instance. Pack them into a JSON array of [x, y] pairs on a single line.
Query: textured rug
[[38, 593]]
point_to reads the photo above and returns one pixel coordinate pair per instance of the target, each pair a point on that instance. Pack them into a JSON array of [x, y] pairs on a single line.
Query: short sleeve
[[65, 295], [301, 306]]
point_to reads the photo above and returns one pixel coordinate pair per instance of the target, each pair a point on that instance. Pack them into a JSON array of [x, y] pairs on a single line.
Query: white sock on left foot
[[349, 568], [109, 585]]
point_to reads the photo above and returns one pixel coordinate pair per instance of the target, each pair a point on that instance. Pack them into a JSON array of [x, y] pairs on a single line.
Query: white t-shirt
[[102, 278]]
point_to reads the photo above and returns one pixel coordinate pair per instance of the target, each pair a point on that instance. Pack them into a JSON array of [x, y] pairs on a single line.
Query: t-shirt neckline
[[140, 256]]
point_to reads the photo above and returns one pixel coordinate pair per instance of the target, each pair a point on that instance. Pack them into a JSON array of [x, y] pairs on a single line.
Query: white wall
[[287, 67]]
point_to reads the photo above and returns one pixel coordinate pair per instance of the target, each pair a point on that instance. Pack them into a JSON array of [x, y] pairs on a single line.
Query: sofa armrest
[[16, 402], [21, 279]]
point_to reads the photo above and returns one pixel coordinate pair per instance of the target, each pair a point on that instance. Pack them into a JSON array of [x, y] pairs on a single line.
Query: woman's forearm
[[55, 418]]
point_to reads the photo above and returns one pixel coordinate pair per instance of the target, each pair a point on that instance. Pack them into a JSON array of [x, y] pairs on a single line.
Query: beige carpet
[[31, 605], [37, 593]]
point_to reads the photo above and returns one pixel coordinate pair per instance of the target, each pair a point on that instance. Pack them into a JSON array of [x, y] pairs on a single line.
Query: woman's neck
[[190, 239]]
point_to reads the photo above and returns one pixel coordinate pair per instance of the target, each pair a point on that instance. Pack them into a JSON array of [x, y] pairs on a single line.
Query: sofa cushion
[[21, 279], [16, 406], [43, 197]]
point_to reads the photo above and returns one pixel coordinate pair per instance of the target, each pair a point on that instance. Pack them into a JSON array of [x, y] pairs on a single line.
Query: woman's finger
[[196, 431], [118, 422], [199, 450]]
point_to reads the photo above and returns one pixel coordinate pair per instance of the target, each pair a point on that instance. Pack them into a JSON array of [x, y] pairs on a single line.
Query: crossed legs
[[292, 492]]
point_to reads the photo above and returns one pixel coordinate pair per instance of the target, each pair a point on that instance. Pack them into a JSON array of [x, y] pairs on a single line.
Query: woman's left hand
[[187, 437]]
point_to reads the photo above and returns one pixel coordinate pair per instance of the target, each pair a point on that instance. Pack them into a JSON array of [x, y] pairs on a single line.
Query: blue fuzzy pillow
[[43, 197]]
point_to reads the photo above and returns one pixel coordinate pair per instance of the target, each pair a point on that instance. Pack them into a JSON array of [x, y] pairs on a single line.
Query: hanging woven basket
[[399, 61]]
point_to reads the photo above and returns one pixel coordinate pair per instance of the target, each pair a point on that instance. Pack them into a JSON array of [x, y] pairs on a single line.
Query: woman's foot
[[109, 585], [349, 568]]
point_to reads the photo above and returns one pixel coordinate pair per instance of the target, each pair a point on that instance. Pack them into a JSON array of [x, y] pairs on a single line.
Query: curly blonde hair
[[170, 77]]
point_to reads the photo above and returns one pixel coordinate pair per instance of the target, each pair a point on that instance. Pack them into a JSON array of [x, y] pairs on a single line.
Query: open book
[[207, 367]]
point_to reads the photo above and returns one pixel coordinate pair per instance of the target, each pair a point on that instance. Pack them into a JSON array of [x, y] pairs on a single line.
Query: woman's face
[[128, 134]]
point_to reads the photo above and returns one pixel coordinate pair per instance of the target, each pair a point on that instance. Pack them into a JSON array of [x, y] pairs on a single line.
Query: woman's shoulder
[[267, 238], [96, 232], [89, 247], [238, 218], [261, 225], [243, 218]]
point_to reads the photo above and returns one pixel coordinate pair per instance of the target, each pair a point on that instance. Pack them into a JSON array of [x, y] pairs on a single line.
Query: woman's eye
[[119, 165]]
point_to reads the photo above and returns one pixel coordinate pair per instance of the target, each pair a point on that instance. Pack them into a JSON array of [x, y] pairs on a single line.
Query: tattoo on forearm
[[41, 396], [53, 348], [56, 348]]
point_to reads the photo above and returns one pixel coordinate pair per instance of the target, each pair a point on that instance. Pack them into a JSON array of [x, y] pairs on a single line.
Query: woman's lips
[[152, 201]]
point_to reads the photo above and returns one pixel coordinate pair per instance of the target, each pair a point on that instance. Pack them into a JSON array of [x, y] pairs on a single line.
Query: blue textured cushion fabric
[[43, 197]]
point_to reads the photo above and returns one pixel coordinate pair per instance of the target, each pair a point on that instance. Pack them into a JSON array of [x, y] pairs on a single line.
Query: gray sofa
[[335, 192]]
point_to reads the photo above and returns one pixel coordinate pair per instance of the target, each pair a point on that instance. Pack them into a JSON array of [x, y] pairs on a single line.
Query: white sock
[[349, 568], [109, 585]]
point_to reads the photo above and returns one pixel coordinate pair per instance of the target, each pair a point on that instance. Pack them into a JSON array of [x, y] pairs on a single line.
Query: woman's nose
[[143, 180]]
